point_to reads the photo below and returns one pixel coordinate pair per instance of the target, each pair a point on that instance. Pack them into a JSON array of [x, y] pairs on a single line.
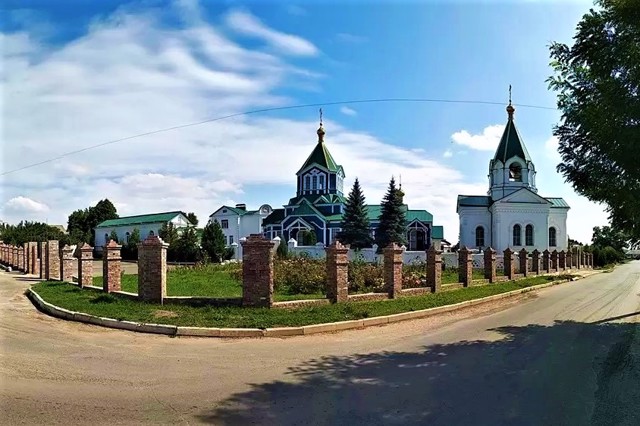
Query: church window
[[315, 183], [528, 235], [552, 237], [151, 234], [479, 236], [515, 172], [106, 238], [126, 237], [307, 182], [517, 235], [321, 182]]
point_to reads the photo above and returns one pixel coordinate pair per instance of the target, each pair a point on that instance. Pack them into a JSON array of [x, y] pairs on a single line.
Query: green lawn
[[213, 281], [97, 303]]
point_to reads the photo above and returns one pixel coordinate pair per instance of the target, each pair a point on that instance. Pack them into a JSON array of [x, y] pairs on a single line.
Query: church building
[[512, 214], [319, 204]]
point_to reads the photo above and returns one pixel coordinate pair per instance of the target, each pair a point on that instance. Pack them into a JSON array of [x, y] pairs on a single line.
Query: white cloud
[[551, 149], [350, 38], [488, 140], [245, 23], [348, 111], [129, 74], [24, 205], [448, 154]]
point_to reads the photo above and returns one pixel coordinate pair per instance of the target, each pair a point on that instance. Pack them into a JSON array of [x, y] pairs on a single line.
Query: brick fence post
[[257, 271], [568, 259], [66, 264], [562, 260], [490, 264], [590, 260], [111, 267], [434, 269], [35, 261], [42, 251], [27, 261], [52, 260], [392, 264], [337, 272], [152, 270], [554, 260], [84, 254], [14, 257], [509, 264], [465, 267], [524, 269], [546, 260], [20, 252], [535, 262]]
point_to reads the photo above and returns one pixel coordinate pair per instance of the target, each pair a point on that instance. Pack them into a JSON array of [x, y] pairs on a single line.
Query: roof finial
[[320, 129], [510, 108]]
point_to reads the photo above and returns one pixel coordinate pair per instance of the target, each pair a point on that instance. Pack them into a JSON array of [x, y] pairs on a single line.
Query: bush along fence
[[48, 261]]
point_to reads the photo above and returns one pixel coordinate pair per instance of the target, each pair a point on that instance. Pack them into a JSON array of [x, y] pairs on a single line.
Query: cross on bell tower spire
[[510, 108], [320, 129]]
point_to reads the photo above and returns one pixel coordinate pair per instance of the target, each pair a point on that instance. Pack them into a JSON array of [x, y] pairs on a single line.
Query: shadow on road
[[566, 374]]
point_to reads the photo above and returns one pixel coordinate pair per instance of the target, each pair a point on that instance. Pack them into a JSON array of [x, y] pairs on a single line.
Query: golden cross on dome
[[320, 116]]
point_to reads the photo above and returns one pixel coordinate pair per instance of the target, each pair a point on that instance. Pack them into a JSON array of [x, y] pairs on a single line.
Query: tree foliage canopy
[[192, 218], [26, 231], [213, 241], [81, 223], [392, 225], [597, 81], [355, 222]]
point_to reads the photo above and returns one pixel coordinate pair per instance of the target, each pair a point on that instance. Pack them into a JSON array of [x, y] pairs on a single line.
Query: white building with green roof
[[146, 224], [319, 204], [512, 214], [238, 222]]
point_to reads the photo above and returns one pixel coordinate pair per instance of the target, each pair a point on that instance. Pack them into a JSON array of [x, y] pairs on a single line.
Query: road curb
[[172, 330]]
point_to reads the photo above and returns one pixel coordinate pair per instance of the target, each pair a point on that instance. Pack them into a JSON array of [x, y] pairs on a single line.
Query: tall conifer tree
[[355, 222], [392, 222]]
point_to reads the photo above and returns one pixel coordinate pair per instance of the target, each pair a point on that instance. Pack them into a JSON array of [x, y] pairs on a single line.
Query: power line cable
[[257, 111]]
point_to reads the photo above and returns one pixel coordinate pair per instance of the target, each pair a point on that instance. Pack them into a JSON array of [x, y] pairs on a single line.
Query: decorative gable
[[523, 196]]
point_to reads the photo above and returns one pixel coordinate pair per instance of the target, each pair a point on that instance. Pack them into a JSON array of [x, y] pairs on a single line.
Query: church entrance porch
[[417, 238]]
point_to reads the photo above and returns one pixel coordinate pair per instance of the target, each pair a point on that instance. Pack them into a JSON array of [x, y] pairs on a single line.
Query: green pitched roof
[[474, 200], [558, 203], [276, 216], [437, 232], [140, 219], [306, 209], [322, 157], [318, 199], [511, 144], [374, 210]]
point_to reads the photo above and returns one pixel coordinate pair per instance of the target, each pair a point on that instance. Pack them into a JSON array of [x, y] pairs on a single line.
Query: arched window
[[515, 172], [552, 237], [126, 237], [307, 183], [151, 233], [479, 236], [528, 235], [517, 235], [321, 182], [106, 238], [314, 185]]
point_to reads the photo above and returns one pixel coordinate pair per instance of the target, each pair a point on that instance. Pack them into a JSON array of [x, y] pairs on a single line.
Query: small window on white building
[[528, 235], [515, 172], [126, 237], [517, 235], [151, 233], [224, 223], [480, 237], [230, 239], [552, 237], [106, 238]]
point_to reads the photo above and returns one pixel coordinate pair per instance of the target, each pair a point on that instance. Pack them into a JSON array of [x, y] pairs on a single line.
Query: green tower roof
[[321, 156], [511, 144]]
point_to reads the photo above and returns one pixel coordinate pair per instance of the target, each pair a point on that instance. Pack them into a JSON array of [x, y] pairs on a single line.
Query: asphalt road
[[568, 355]]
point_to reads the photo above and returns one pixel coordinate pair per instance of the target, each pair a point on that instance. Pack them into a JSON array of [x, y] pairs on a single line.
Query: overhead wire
[[257, 111]]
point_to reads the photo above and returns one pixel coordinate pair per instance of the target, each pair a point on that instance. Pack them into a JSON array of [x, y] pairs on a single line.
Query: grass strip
[[97, 303]]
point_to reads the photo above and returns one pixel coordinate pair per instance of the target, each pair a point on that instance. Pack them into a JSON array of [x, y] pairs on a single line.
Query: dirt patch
[[165, 314]]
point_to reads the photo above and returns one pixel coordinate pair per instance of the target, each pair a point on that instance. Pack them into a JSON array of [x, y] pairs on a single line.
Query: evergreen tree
[[130, 250], [283, 250], [213, 241], [186, 247], [355, 223], [191, 216], [392, 223]]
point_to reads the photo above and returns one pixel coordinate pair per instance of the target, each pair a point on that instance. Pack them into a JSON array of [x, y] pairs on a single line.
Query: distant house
[[60, 227], [238, 222], [147, 224]]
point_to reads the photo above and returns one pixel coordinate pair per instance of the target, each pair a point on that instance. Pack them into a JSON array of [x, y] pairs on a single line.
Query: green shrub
[[300, 275], [365, 277]]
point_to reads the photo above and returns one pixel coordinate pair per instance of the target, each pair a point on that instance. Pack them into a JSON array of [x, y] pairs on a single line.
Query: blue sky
[[79, 73]]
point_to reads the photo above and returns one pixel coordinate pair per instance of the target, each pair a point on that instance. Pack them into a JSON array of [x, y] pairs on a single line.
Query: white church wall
[[470, 218], [505, 220], [558, 219]]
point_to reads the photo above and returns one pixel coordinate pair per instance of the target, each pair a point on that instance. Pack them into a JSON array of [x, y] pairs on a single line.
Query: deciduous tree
[[597, 81]]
